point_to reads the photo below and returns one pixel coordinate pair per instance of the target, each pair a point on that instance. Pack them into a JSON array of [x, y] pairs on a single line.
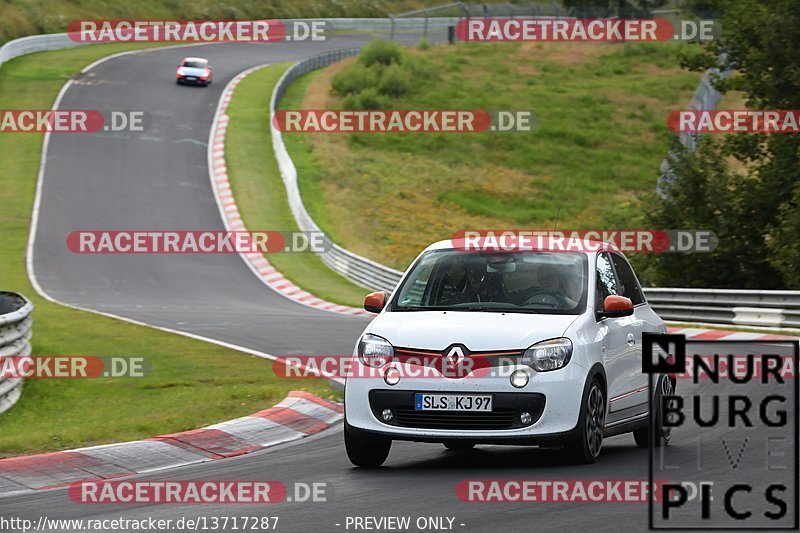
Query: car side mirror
[[375, 301], [617, 306]]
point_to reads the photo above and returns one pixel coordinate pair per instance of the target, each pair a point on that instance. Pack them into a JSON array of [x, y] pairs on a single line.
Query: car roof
[[195, 59]]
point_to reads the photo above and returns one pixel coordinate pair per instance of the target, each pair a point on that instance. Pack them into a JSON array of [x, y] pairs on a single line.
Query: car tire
[[366, 452], [588, 440], [458, 445], [666, 387]]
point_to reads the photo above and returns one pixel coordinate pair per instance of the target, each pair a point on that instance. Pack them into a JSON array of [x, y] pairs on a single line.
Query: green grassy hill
[[600, 139]]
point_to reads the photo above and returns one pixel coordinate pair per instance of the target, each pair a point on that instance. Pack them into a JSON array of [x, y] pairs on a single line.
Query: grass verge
[[191, 383], [600, 139], [259, 190]]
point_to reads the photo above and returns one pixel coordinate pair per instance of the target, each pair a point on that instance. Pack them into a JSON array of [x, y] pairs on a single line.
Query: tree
[[705, 193], [785, 245], [759, 43]]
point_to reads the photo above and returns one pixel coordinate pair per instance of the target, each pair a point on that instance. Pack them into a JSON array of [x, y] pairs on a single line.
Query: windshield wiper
[[471, 308], [489, 309], [420, 308]]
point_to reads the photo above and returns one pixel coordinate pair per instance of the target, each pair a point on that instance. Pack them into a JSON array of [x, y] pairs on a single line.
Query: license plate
[[191, 78], [452, 402]]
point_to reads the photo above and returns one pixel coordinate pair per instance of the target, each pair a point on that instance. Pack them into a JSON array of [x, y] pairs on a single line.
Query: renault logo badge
[[456, 353]]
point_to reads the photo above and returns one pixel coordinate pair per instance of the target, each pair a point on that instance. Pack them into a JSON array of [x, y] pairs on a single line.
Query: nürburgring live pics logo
[[732, 463]]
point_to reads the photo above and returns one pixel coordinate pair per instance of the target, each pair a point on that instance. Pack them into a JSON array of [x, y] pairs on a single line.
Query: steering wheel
[[552, 298]]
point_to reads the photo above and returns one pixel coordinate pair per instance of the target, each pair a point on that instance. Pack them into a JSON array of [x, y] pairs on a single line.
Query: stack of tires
[[15, 341]]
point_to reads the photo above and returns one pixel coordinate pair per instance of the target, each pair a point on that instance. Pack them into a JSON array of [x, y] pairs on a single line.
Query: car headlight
[[548, 355], [374, 351]]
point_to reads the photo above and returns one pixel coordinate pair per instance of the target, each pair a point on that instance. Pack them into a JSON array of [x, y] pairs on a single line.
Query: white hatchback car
[[522, 347]]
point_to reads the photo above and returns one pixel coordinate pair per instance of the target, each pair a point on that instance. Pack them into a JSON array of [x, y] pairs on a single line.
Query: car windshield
[[521, 282], [194, 63]]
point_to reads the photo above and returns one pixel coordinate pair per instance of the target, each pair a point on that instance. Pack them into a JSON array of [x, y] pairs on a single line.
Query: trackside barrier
[[706, 97], [357, 269], [35, 43], [15, 341], [60, 41], [727, 306]]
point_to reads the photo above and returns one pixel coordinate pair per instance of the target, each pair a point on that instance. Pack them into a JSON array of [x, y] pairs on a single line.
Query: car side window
[[413, 294], [628, 285], [606, 281]]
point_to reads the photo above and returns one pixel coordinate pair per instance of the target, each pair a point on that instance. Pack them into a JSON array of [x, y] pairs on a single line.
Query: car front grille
[[453, 420], [507, 407]]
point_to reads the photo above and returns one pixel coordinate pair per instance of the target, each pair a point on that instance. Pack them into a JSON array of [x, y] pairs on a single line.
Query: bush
[[354, 79], [382, 74], [368, 99], [396, 81], [380, 52], [422, 67]]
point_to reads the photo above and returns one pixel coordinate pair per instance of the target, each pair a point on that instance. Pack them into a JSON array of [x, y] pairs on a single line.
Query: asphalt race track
[[159, 180]]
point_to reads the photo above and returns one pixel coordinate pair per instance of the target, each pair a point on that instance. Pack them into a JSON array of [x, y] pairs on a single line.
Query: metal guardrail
[[15, 341], [60, 41], [357, 269], [35, 43], [706, 97], [728, 306]]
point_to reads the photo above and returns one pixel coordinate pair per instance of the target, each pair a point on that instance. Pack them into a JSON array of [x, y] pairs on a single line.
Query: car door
[[618, 345], [635, 381]]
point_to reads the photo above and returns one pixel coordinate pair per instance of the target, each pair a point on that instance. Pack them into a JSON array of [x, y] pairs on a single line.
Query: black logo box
[[677, 364]]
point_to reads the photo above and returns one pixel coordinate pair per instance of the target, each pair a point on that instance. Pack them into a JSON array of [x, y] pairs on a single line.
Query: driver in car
[[482, 286], [553, 288]]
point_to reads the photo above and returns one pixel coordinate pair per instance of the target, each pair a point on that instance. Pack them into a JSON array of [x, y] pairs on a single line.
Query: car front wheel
[[588, 441], [366, 452], [663, 433]]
